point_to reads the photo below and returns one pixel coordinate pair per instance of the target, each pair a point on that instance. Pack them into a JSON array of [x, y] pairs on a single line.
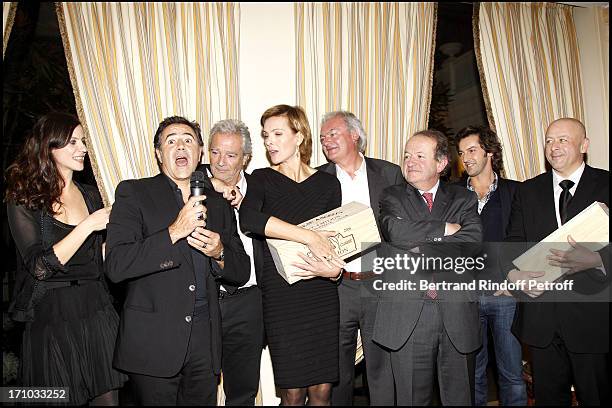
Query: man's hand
[[192, 215], [577, 258], [525, 276], [451, 228], [206, 241], [230, 193]]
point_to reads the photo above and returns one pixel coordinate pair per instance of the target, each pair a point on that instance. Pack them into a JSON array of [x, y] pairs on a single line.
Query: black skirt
[[71, 343]]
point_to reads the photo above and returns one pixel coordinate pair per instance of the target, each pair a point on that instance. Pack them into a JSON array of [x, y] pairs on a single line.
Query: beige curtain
[[9, 9], [133, 64], [373, 59], [529, 65]]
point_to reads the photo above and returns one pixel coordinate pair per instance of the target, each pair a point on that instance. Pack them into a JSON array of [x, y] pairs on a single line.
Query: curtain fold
[[373, 59], [528, 60], [9, 8], [133, 64]]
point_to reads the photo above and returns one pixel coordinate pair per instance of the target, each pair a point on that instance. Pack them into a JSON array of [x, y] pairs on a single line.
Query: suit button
[[191, 288], [188, 319]]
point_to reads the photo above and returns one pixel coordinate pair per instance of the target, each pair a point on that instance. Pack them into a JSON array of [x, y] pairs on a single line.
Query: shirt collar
[[432, 190], [171, 182], [492, 187], [359, 171], [575, 176], [242, 184]]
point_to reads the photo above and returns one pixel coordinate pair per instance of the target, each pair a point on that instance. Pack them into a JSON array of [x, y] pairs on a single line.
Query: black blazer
[[154, 332], [406, 222], [584, 325]]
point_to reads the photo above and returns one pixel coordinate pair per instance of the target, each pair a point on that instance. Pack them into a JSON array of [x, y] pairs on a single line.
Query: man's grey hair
[[234, 126], [352, 124]]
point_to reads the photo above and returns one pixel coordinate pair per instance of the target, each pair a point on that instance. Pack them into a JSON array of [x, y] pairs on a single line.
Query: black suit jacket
[[583, 325], [154, 332], [406, 222]]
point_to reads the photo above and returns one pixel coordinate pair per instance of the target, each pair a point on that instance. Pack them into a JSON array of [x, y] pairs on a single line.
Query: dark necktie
[[431, 293], [564, 199]]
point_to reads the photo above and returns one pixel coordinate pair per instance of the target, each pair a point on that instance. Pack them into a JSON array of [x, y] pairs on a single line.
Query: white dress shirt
[[246, 241], [354, 189], [575, 177]]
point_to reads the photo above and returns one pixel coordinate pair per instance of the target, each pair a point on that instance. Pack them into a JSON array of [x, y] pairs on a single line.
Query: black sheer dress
[[71, 325], [301, 320]]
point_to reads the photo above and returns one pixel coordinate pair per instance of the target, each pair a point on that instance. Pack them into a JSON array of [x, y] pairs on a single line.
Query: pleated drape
[[9, 8], [528, 60], [133, 64], [373, 59]]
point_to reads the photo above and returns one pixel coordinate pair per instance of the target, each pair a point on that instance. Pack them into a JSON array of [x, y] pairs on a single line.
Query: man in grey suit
[[362, 179], [432, 331]]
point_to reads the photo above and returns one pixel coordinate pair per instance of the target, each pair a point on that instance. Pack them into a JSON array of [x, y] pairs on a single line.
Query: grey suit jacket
[[407, 223]]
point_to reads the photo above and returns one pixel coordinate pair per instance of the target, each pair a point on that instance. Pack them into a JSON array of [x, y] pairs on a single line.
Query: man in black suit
[[431, 330], [568, 341], [229, 152], [362, 179], [481, 154], [171, 250]]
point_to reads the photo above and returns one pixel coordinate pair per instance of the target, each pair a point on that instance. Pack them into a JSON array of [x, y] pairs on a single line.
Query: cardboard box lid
[[589, 228]]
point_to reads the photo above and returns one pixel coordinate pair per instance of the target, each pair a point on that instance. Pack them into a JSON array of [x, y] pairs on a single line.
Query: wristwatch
[[221, 256]]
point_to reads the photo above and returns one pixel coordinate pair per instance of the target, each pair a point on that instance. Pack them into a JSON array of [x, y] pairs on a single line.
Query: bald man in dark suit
[[568, 341]]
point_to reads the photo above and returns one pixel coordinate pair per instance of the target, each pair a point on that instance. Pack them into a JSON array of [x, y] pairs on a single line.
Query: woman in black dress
[[60, 293], [301, 320]]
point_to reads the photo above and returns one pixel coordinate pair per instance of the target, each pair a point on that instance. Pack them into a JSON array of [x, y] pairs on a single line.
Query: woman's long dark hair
[[33, 179]]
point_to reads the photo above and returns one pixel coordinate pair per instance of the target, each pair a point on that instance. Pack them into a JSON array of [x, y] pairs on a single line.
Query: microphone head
[[197, 183], [197, 178]]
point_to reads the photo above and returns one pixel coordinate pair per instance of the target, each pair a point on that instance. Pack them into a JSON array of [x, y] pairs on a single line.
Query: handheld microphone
[[197, 184]]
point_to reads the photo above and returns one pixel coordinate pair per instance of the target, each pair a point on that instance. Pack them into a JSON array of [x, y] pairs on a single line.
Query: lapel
[[440, 202], [375, 188], [506, 201], [545, 198], [585, 192], [167, 209], [329, 168], [415, 204]]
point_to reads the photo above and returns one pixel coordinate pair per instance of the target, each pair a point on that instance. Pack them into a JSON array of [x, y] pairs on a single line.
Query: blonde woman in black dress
[[301, 320]]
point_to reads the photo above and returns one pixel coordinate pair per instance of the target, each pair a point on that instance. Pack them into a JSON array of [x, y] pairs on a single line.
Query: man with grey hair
[[229, 149], [362, 179]]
